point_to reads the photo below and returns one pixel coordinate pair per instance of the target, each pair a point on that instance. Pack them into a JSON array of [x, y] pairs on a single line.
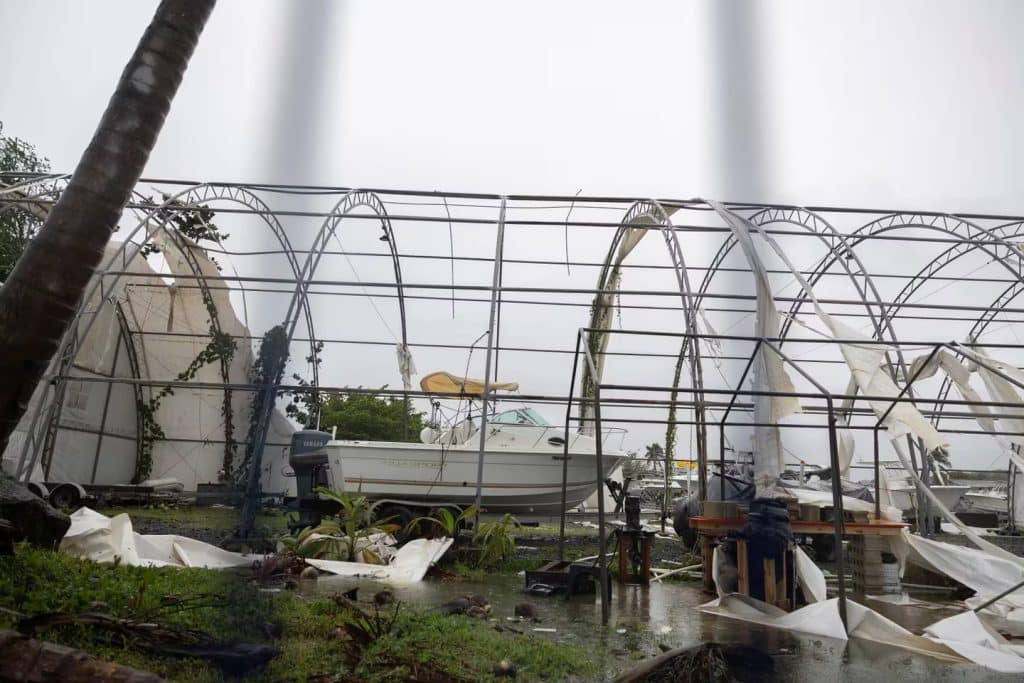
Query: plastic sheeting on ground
[[409, 564], [961, 638], [94, 536]]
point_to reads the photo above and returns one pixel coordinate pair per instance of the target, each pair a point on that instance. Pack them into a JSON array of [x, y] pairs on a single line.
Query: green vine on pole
[[195, 224], [266, 370]]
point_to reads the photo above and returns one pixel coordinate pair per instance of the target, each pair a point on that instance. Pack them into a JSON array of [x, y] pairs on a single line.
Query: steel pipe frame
[[597, 386], [654, 212], [299, 301]]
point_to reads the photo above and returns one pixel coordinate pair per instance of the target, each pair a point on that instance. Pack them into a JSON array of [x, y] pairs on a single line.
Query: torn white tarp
[[960, 376], [964, 640], [864, 360], [810, 577], [769, 371], [986, 574], [406, 367], [972, 639], [94, 536], [408, 565]]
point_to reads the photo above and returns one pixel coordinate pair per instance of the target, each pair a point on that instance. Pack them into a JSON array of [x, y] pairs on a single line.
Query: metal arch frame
[[984, 320], [191, 197], [351, 200], [654, 212], [980, 238], [837, 244], [953, 253]]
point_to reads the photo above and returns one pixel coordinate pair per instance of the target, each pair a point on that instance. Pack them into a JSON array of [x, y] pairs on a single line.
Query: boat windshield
[[522, 416]]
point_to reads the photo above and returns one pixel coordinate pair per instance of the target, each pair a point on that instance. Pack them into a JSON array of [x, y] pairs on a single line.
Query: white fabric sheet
[[986, 574], [961, 638], [408, 565], [810, 577], [768, 369], [95, 536]]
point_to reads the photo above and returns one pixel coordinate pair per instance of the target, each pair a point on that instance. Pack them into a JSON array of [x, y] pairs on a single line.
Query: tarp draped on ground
[[961, 638], [94, 536]]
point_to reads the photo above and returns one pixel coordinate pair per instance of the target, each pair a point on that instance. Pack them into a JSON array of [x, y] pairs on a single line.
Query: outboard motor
[[308, 458]]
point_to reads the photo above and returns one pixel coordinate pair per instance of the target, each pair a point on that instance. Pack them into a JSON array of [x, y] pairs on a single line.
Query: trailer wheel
[[66, 496], [39, 489], [400, 516]]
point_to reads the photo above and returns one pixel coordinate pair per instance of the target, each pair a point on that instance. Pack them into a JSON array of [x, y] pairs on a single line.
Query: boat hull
[[517, 481], [987, 503]]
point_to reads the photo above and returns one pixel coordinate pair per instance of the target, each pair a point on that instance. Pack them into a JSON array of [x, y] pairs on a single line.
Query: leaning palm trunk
[[38, 300]]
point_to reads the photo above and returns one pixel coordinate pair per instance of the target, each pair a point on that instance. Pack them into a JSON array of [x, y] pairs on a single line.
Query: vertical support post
[[602, 537], [495, 287], [878, 485], [103, 417], [565, 451], [728, 409], [837, 505]]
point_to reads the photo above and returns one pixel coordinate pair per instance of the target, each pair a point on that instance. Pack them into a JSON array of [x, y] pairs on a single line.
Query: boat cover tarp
[[961, 638], [447, 383]]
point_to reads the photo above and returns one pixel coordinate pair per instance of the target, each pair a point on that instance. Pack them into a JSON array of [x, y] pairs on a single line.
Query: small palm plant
[[496, 541], [339, 539], [450, 524], [356, 520], [322, 542]]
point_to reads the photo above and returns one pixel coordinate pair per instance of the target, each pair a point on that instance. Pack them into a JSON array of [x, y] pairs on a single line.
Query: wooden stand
[[709, 529], [640, 541]]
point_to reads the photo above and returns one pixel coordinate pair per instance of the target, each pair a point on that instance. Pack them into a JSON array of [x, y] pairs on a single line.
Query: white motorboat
[[902, 491], [990, 499], [523, 459]]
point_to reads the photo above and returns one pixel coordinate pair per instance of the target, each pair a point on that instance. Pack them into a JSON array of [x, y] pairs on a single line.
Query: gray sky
[[912, 104]]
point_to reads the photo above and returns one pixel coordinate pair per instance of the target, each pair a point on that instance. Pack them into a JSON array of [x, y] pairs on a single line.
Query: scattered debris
[[26, 659], [381, 598], [525, 610], [232, 658], [505, 669], [706, 662]]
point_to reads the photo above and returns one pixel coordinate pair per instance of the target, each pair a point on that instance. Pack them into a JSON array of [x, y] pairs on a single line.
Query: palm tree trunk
[[40, 297]]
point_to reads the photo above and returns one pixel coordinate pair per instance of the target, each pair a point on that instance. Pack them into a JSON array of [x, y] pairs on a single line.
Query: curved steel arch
[[191, 197], [1005, 231], [984, 320], [981, 238], [351, 200], [647, 212], [837, 244]]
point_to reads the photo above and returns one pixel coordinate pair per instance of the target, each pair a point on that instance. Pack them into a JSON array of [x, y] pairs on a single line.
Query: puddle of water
[[665, 614]]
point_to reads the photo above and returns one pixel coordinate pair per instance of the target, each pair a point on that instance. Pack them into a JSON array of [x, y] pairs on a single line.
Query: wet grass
[[231, 607], [191, 517]]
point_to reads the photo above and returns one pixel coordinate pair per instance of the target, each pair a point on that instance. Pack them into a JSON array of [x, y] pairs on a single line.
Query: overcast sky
[[881, 104]]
